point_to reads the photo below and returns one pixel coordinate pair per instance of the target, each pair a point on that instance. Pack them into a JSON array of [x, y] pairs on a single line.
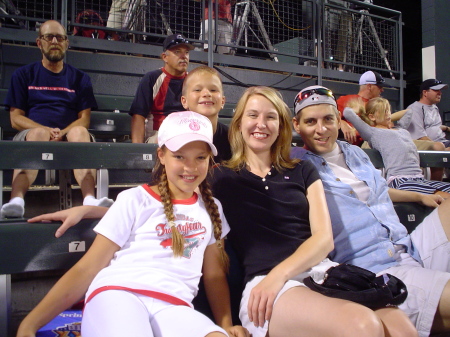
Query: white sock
[[15, 208], [91, 201], [17, 200]]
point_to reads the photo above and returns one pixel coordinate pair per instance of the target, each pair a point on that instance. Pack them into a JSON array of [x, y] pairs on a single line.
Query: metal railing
[[347, 35]]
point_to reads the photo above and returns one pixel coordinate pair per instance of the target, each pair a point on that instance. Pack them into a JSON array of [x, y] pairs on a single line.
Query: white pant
[[119, 313], [117, 13]]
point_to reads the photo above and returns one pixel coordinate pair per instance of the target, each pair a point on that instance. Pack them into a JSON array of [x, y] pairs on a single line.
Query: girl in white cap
[[143, 269]]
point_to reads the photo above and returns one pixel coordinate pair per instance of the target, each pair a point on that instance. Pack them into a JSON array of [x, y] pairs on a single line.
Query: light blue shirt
[[365, 234]]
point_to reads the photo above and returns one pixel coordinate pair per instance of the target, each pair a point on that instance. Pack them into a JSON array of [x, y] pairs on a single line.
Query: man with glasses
[[426, 122], [159, 92], [50, 100], [371, 85]]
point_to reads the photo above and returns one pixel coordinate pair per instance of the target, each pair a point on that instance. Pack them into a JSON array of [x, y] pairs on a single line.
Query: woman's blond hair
[[281, 148], [159, 177]]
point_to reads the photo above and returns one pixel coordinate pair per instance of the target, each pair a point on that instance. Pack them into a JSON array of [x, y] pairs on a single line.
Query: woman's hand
[[238, 331], [262, 297]]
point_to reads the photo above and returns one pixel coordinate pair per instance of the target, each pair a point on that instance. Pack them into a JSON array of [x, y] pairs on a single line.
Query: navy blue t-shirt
[[159, 94], [50, 99]]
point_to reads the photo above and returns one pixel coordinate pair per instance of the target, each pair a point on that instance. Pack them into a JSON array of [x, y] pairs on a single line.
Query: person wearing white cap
[[371, 84], [366, 229], [426, 122], [401, 162], [152, 247]]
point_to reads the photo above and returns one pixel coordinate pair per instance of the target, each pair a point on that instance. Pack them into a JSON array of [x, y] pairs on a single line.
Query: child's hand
[[238, 331], [431, 200], [70, 217]]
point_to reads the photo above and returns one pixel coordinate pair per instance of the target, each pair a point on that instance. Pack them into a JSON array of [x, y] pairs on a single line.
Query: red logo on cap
[[194, 126]]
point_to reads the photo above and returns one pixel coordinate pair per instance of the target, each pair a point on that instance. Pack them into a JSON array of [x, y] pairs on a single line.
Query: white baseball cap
[[372, 77], [180, 128]]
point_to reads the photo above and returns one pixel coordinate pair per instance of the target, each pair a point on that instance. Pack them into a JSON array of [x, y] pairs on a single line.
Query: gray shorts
[[425, 282], [22, 136]]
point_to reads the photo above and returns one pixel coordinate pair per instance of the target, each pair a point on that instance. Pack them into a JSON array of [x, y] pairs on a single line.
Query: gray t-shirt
[[396, 147], [425, 121]]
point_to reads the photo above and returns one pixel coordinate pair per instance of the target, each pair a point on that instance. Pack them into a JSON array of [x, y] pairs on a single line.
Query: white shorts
[[425, 282], [118, 313], [317, 272]]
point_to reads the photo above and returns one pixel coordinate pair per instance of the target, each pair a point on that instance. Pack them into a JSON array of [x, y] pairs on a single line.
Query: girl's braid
[[213, 212], [177, 238]]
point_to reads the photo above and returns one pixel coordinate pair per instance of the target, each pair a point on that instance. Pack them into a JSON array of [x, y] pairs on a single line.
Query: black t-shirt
[[268, 217], [220, 140]]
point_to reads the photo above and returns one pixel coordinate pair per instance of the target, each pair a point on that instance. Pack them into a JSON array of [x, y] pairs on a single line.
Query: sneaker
[[103, 202], [12, 210]]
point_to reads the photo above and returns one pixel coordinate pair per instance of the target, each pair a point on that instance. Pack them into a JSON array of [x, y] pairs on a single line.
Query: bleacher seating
[[447, 118], [39, 251], [69, 156], [107, 126]]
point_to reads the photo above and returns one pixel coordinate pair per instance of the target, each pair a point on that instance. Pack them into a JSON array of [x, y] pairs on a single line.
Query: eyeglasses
[[50, 37], [307, 93]]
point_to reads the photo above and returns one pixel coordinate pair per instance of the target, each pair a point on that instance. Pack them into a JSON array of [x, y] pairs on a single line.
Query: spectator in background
[[371, 84], [117, 15], [159, 92], [401, 161], [224, 23], [425, 122], [50, 100]]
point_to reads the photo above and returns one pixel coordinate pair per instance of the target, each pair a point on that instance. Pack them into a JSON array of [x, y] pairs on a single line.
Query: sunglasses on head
[[319, 91]]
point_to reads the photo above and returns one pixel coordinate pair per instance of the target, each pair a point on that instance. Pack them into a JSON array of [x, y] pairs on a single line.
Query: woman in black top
[[281, 230]]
